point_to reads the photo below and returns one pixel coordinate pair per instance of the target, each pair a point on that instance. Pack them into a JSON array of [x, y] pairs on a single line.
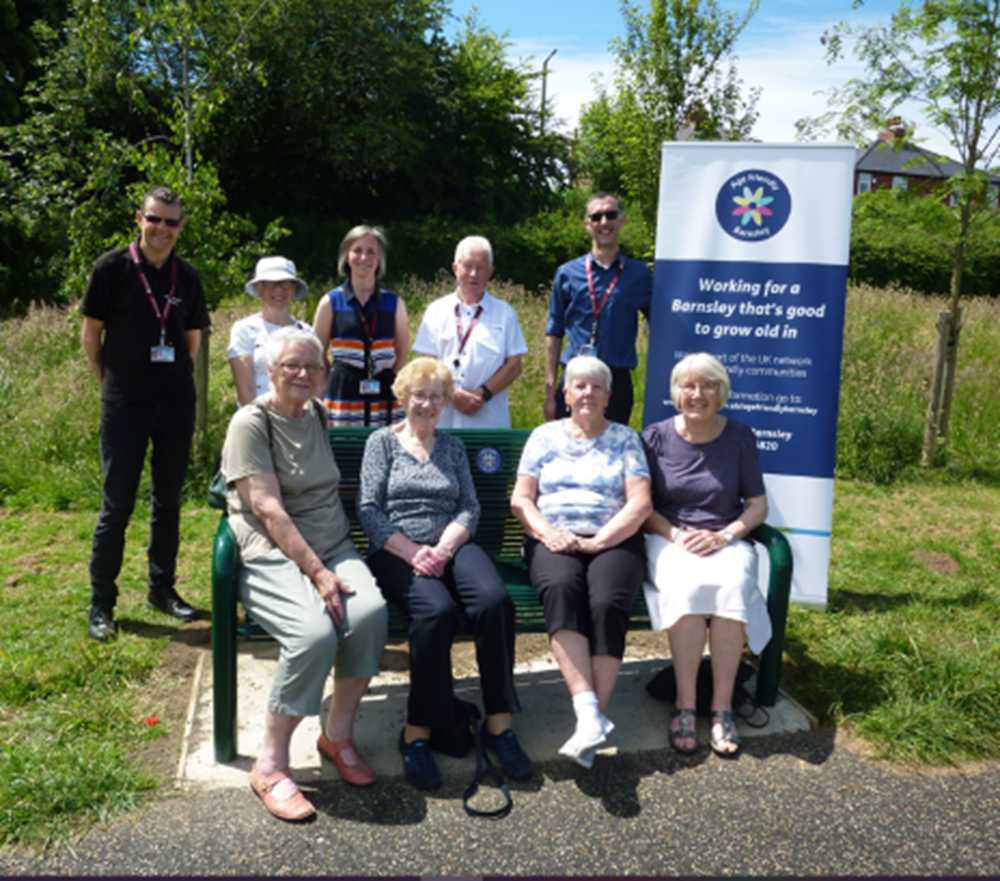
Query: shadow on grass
[[831, 684], [852, 601], [195, 634]]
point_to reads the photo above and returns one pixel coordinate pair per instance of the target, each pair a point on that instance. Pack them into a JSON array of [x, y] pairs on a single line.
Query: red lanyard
[[368, 328], [162, 316], [463, 338], [594, 305]]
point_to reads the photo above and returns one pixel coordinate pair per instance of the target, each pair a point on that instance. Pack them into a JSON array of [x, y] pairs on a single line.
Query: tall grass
[[49, 403]]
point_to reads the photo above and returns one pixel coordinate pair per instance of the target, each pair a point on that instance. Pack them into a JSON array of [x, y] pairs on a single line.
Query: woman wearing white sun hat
[[275, 283]]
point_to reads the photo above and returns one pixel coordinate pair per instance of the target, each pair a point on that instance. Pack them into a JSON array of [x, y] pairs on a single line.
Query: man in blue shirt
[[596, 301]]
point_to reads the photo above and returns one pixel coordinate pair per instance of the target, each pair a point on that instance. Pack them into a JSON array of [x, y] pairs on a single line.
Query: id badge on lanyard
[[163, 353], [368, 386], [461, 334]]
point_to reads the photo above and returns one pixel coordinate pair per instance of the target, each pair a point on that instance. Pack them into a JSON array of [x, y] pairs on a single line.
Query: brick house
[[878, 166]]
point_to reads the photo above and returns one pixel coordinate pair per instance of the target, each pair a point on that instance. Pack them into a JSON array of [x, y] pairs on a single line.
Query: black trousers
[[619, 407], [127, 429], [590, 594], [470, 588]]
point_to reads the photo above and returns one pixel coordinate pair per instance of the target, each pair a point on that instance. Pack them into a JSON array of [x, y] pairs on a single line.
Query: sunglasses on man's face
[[598, 216], [156, 220]]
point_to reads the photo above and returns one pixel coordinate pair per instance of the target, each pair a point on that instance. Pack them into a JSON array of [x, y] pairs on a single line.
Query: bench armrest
[[779, 590]]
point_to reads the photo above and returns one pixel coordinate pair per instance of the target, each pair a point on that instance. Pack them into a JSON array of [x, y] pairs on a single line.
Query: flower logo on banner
[[753, 205]]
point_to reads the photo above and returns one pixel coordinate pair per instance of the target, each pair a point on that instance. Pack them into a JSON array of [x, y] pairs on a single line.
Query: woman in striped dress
[[365, 333]]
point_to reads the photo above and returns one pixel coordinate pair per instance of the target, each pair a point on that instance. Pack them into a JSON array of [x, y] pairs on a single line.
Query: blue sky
[[779, 51]]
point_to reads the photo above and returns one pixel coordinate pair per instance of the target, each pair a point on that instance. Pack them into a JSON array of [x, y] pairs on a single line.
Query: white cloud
[[784, 57]]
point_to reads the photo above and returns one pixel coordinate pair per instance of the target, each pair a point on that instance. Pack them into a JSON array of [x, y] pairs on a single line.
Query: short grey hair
[[589, 367], [472, 244], [282, 339], [703, 366]]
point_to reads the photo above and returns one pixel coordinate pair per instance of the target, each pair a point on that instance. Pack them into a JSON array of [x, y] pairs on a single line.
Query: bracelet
[[728, 536], [487, 394]]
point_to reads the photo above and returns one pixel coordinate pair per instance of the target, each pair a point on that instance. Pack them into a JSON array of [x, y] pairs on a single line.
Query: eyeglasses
[[424, 398], [598, 216], [293, 367], [705, 388], [156, 220]]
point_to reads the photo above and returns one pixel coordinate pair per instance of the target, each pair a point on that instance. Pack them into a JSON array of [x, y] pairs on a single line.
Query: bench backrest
[[493, 458]]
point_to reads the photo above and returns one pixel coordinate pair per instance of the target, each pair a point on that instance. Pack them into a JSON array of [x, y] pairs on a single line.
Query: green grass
[[906, 655], [72, 711], [908, 651]]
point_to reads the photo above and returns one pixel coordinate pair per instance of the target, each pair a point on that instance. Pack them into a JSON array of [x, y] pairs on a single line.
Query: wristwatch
[[487, 394]]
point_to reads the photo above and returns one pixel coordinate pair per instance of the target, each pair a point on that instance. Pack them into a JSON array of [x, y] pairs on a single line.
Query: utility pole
[[545, 76]]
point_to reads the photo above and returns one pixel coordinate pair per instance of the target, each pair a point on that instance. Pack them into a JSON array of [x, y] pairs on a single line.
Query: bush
[[904, 239], [527, 253]]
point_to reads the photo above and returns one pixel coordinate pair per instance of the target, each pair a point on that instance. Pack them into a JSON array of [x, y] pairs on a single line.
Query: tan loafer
[[359, 774], [281, 796]]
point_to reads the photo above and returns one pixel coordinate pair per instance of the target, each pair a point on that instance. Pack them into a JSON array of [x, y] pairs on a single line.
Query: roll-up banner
[[752, 244]]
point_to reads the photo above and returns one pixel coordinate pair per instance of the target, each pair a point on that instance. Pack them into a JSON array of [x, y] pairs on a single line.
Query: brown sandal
[[684, 727], [725, 741], [273, 790]]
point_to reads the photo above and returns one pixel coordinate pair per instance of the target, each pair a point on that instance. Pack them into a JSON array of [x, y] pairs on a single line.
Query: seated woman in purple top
[[708, 496]]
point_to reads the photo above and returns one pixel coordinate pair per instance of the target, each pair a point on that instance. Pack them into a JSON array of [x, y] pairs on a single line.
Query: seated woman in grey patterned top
[[417, 504]]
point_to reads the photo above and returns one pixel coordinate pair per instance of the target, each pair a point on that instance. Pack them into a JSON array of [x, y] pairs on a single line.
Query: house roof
[[881, 158]]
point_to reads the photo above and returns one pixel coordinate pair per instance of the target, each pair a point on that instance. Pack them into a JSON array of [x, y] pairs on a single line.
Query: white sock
[[589, 731], [586, 758], [607, 726], [588, 713]]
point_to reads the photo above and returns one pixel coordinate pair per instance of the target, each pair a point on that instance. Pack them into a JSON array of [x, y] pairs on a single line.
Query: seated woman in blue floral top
[[582, 493], [419, 510]]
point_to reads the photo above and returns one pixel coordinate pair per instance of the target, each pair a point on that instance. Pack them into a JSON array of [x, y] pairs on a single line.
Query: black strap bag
[[456, 740]]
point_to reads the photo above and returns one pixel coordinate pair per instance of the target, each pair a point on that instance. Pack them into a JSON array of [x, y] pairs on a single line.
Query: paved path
[[793, 804]]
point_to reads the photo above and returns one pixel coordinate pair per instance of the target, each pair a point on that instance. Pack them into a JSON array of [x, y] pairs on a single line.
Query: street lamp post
[[545, 75]]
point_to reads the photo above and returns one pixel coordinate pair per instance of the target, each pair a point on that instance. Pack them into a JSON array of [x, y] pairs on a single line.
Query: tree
[[944, 56], [361, 110], [377, 115], [126, 90], [19, 50], [676, 76]]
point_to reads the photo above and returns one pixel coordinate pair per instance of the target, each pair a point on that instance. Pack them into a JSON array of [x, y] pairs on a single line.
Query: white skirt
[[723, 584]]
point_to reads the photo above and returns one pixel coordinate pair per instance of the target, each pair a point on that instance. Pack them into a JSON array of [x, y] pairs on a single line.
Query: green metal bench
[[493, 457]]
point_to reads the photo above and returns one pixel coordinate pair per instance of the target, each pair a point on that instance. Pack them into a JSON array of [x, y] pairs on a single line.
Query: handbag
[[217, 485], [217, 491], [663, 687], [456, 740]]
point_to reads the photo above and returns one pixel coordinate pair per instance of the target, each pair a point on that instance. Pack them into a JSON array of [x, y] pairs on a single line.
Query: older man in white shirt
[[478, 337]]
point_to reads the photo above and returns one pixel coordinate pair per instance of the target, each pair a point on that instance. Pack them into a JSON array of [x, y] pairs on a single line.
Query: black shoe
[[513, 759], [418, 763], [102, 625], [170, 603]]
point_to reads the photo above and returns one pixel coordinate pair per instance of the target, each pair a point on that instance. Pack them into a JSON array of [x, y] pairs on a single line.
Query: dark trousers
[[470, 588], [619, 407], [127, 428], [590, 594]]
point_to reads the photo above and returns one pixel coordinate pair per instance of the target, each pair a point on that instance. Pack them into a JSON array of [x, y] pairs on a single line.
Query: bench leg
[[778, 597], [224, 645]]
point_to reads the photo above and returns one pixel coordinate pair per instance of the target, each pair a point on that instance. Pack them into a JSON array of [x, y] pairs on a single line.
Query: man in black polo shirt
[[144, 312]]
